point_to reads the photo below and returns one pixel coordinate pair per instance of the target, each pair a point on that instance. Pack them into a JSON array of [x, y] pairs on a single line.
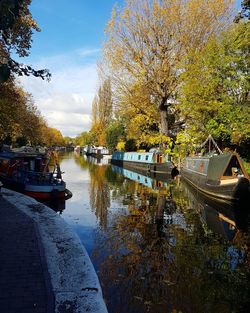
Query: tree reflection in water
[[159, 254], [99, 194]]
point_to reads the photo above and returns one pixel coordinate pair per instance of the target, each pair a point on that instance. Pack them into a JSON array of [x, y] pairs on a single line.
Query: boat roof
[[142, 153], [17, 155], [219, 163]]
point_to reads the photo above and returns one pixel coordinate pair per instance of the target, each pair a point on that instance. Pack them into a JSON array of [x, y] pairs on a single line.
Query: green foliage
[[114, 133], [83, 139], [215, 94], [184, 144], [247, 167], [69, 141]]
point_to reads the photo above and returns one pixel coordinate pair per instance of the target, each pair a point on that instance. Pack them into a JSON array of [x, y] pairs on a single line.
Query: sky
[[69, 45]]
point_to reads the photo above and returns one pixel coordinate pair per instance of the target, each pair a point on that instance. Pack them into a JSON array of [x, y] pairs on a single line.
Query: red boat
[[29, 172]]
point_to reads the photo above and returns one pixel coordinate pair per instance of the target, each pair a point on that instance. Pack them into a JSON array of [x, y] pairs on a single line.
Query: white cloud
[[88, 52], [66, 100]]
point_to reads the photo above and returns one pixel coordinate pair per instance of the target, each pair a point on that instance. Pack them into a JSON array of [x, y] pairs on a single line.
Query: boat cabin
[[223, 168], [141, 157], [197, 165], [226, 168], [19, 166]]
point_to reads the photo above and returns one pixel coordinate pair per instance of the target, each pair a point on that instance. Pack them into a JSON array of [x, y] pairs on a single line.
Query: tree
[[20, 121], [83, 139], [114, 132], [16, 29], [147, 43], [18, 114], [101, 113], [53, 137], [215, 90]]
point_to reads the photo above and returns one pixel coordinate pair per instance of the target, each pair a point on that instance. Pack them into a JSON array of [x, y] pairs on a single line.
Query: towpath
[[43, 266], [23, 285]]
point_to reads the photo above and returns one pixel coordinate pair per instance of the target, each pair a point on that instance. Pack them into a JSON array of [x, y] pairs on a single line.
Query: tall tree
[[102, 112], [19, 117], [147, 42]]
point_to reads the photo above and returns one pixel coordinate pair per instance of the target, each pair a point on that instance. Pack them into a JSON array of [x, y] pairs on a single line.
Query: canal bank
[[43, 265]]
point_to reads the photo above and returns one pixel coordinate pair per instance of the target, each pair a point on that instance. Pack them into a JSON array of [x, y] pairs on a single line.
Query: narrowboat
[[97, 152], [28, 172], [153, 161], [221, 176]]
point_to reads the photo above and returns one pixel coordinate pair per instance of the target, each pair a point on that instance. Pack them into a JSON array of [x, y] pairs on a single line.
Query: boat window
[[159, 158], [146, 157], [139, 157]]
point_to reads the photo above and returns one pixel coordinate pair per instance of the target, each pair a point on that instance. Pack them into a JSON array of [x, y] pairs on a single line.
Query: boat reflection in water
[[153, 182], [165, 249], [157, 246], [166, 209], [97, 161], [225, 218]]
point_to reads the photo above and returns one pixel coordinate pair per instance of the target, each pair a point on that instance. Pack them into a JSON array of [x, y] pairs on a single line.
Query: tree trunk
[[164, 122]]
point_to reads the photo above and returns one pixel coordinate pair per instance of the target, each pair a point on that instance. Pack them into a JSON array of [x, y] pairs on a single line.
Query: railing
[[36, 177]]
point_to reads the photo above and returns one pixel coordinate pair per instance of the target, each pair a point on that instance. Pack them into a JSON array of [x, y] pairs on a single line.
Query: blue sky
[[69, 45]]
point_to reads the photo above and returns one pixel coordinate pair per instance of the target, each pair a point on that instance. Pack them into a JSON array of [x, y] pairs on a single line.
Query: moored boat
[[149, 162], [97, 152], [220, 176], [28, 172]]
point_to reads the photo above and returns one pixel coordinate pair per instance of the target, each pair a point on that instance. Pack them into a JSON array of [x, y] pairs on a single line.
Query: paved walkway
[[44, 267], [23, 282]]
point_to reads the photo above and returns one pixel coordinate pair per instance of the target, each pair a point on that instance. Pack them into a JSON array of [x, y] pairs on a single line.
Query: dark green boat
[[220, 176]]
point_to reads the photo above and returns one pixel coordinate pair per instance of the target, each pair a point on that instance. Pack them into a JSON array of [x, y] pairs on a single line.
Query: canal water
[[157, 245]]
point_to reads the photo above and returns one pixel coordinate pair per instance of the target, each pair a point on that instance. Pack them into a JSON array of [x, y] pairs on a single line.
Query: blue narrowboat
[[149, 162]]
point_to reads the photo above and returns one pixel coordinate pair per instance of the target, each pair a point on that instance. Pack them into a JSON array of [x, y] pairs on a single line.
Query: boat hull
[[13, 185], [165, 178], [159, 168], [221, 176], [221, 192], [36, 191], [45, 192]]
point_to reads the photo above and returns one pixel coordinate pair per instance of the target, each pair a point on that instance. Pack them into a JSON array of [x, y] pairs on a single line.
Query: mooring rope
[[209, 139]]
